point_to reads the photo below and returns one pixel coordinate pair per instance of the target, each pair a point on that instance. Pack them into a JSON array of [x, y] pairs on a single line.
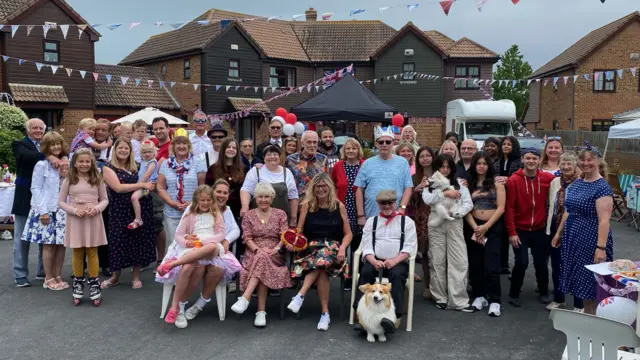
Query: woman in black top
[[323, 219], [510, 158]]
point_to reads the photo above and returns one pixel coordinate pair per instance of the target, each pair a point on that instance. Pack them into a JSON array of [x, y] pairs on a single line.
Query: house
[[250, 58], [58, 99], [589, 105]]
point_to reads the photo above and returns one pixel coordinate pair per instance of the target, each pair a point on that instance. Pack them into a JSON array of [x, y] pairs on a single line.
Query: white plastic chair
[[408, 293], [595, 337], [221, 293]]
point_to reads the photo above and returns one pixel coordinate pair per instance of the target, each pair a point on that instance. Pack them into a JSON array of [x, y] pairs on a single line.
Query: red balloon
[[291, 118], [282, 112], [397, 120], [311, 126]]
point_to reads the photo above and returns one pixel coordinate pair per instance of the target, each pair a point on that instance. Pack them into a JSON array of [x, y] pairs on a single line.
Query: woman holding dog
[[447, 249], [489, 199], [324, 221]]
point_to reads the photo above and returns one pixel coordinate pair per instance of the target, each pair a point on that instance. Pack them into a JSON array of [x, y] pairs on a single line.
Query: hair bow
[[590, 148]]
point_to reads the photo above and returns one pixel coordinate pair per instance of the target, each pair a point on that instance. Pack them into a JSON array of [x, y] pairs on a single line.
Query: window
[[601, 125], [465, 76], [51, 52], [606, 81], [282, 77], [407, 71], [187, 68], [234, 68]]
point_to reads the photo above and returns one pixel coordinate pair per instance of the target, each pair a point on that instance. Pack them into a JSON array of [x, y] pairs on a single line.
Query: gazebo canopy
[[149, 114]]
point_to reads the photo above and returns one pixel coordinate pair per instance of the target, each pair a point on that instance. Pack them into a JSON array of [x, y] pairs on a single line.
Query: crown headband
[[379, 132], [590, 148]]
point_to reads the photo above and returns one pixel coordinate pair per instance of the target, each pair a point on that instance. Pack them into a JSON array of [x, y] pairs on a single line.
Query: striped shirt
[[190, 183]]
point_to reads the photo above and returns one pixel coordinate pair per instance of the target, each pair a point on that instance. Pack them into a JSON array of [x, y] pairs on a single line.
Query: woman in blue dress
[[585, 231]]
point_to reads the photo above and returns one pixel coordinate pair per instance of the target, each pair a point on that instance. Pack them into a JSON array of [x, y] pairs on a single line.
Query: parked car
[[342, 138], [531, 142]]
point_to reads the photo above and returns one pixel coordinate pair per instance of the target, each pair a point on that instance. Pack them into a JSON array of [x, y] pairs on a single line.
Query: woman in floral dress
[[263, 263], [420, 211]]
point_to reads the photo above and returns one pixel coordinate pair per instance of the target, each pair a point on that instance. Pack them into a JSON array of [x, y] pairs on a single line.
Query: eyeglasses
[[200, 121], [386, 202], [216, 137], [385, 142], [275, 128]]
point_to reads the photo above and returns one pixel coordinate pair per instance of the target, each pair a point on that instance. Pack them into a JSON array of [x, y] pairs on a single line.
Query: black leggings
[[484, 263]]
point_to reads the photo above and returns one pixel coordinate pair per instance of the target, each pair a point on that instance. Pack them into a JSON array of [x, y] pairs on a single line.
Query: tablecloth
[[6, 200]]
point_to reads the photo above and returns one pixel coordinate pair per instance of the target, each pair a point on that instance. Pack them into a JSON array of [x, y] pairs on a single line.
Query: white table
[[6, 200]]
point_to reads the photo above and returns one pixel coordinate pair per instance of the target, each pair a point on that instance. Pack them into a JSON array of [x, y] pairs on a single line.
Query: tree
[[512, 67], [12, 120]]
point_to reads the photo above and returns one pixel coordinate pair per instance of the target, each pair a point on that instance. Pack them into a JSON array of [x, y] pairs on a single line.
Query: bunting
[[446, 6], [54, 68], [124, 79], [83, 73], [45, 29], [108, 76], [95, 76], [81, 29], [39, 66], [69, 71], [14, 28], [29, 28], [65, 30], [327, 16]]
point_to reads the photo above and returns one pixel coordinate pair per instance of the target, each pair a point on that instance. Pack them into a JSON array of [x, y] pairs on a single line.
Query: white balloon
[[288, 129], [278, 118], [617, 308], [299, 127]]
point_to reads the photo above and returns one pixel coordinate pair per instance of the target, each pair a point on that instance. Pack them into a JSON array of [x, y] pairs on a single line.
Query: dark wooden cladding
[[215, 70], [304, 75], [451, 93], [74, 53]]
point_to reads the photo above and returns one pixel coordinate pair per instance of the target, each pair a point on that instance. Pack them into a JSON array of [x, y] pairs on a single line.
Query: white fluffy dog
[[376, 304], [447, 209]]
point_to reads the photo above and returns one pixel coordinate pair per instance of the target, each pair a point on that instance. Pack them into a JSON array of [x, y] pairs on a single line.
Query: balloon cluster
[[290, 123]]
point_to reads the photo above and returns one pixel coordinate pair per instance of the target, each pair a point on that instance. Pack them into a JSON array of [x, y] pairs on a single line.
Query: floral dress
[[350, 201], [270, 270], [35, 231]]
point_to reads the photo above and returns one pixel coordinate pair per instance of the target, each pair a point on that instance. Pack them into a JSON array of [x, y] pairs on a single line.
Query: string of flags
[[64, 28]]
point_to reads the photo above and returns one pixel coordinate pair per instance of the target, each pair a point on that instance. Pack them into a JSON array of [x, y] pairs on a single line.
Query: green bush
[[6, 154], [12, 118]]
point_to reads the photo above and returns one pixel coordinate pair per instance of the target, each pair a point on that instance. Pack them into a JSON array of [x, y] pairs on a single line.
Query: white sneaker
[[555, 305], [325, 320], [480, 303], [578, 310], [231, 287], [193, 311], [181, 321], [261, 319], [295, 304], [494, 309], [240, 306]]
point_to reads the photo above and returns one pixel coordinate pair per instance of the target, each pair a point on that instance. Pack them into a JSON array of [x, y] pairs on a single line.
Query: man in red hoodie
[[525, 219]]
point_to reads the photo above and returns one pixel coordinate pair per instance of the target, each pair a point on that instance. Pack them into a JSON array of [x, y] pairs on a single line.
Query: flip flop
[[108, 284], [136, 284]]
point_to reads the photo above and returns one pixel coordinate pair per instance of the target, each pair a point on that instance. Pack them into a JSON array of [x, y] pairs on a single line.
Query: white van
[[481, 119]]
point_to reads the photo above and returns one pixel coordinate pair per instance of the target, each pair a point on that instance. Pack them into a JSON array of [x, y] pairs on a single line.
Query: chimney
[[311, 14]]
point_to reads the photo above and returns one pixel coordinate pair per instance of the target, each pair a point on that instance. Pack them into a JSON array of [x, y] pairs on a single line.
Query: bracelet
[[600, 248], [361, 216]]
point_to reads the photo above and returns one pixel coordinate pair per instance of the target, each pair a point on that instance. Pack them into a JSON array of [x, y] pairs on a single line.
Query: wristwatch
[[403, 207]]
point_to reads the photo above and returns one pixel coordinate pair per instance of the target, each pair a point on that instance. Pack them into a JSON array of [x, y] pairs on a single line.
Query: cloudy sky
[[542, 28]]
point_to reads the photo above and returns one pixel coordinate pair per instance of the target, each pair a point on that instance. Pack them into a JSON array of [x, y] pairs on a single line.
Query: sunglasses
[[385, 142], [275, 128], [386, 202], [200, 121], [216, 137]]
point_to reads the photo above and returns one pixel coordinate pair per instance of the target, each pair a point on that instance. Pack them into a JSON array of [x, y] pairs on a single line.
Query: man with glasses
[[199, 139], [215, 134], [275, 137], [306, 163], [384, 171], [468, 148]]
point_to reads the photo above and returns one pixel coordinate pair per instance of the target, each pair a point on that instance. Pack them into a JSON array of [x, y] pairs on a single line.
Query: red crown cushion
[[295, 239]]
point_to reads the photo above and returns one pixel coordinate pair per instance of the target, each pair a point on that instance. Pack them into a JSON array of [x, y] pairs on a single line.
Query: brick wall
[[555, 104], [70, 120], [614, 54], [430, 131], [188, 98]]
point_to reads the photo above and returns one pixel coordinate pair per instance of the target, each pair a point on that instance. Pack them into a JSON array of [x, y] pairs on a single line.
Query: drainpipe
[[573, 99]]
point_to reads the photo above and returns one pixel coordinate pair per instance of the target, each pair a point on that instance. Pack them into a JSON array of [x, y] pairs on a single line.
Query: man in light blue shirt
[[384, 171]]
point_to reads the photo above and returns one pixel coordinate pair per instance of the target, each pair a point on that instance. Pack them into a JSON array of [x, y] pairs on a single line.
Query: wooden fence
[[575, 138]]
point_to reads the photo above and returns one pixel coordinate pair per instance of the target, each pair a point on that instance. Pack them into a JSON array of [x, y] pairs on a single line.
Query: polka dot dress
[[350, 202], [580, 237]]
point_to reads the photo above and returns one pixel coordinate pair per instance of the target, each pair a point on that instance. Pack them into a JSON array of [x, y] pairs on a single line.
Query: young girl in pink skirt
[[201, 234]]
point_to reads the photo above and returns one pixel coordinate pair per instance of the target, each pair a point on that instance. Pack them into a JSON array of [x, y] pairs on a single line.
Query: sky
[[541, 28]]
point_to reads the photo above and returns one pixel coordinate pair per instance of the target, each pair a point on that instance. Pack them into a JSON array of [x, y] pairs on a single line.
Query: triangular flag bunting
[[374, 81], [412, 7], [38, 66], [383, 9], [529, 82], [327, 16], [203, 22], [237, 88], [271, 18], [317, 88], [492, 81], [546, 81], [273, 89], [596, 75], [95, 76], [256, 88], [134, 25], [575, 78], [226, 88], [633, 71], [137, 82], [161, 83], [513, 83], [172, 84], [620, 71], [356, 11], [124, 79], [297, 16], [108, 76], [480, 4], [395, 77], [65, 30], [69, 71], [566, 78], [150, 82], [29, 28], [177, 25], [555, 80], [515, 2], [587, 77], [82, 73], [14, 28], [81, 29], [446, 6], [158, 23], [195, 87], [538, 80], [5, 58], [54, 68], [113, 26]]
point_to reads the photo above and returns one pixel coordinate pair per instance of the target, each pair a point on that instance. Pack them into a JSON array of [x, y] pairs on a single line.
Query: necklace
[[266, 217]]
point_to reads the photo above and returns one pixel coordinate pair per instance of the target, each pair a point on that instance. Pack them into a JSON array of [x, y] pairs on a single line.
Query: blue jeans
[[21, 251]]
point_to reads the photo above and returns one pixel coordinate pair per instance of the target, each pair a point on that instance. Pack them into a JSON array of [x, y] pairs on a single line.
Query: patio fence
[[574, 138]]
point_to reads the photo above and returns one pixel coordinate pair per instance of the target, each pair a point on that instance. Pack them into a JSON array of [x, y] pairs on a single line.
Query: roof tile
[[467, 48], [38, 93], [130, 95], [584, 46], [440, 39], [245, 103]]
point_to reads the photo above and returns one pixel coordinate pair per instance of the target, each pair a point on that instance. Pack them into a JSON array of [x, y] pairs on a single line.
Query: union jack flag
[[608, 301], [331, 76]]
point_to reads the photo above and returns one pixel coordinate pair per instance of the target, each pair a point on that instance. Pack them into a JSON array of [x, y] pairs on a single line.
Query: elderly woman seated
[[324, 221], [263, 263]]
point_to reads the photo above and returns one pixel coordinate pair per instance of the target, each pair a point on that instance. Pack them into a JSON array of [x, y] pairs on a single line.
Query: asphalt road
[[41, 324]]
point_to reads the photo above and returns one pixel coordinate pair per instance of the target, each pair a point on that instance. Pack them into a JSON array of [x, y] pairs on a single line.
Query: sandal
[[164, 268], [171, 316], [136, 284], [55, 286], [135, 224], [108, 284], [64, 284]]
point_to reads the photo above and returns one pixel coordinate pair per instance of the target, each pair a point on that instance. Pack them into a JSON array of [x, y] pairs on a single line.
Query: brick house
[[249, 57], [589, 105]]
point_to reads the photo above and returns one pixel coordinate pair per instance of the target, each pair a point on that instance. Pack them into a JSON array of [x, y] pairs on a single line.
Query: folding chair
[[592, 337], [620, 210]]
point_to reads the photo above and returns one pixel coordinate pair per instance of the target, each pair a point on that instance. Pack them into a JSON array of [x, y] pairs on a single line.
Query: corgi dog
[[447, 209], [375, 305]]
